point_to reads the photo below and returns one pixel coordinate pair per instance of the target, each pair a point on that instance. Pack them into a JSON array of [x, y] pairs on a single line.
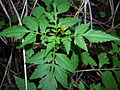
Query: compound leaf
[[95, 86], [63, 7], [117, 73], [2, 23], [79, 41], [37, 58], [21, 84], [96, 36], [81, 86], [116, 61], [87, 59], [74, 60], [61, 76], [48, 58], [40, 71], [38, 11], [108, 80], [29, 53], [115, 49], [68, 22], [43, 23], [50, 46], [48, 3], [82, 28], [103, 59], [48, 82], [58, 2], [67, 44], [15, 31], [63, 61], [30, 38], [50, 17], [31, 23]]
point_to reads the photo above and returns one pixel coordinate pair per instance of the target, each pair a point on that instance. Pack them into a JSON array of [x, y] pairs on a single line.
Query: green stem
[[102, 69], [53, 61]]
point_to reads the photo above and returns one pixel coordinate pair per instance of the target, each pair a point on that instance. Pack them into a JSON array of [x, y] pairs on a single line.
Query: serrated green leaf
[[21, 84], [95, 87], [63, 7], [38, 11], [87, 59], [61, 75], [116, 61], [43, 24], [14, 18], [108, 80], [31, 23], [30, 38], [50, 46], [82, 28], [96, 36], [48, 58], [98, 86], [115, 49], [48, 3], [68, 32], [37, 58], [81, 86], [29, 53], [58, 2], [50, 17], [68, 22], [103, 59], [103, 88], [67, 44], [79, 41], [74, 60], [117, 73], [2, 23], [63, 61], [48, 82], [15, 31], [102, 14], [40, 71]]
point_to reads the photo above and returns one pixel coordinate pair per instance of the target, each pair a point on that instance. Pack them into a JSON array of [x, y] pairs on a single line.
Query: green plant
[[102, 14], [2, 23], [57, 59]]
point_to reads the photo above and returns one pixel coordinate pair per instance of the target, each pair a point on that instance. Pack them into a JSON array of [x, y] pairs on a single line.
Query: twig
[[6, 12], [3, 40], [16, 12], [90, 11], [79, 9], [34, 6], [24, 58], [10, 59], [79, 77], [9, 70], [115, 14], [25, 7]]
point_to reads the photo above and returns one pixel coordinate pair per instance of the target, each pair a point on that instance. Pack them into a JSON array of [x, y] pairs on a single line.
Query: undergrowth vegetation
[[65, 58]]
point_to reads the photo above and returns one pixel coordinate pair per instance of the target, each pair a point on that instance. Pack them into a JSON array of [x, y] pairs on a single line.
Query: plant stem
[[53, 61], [102, 69]]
